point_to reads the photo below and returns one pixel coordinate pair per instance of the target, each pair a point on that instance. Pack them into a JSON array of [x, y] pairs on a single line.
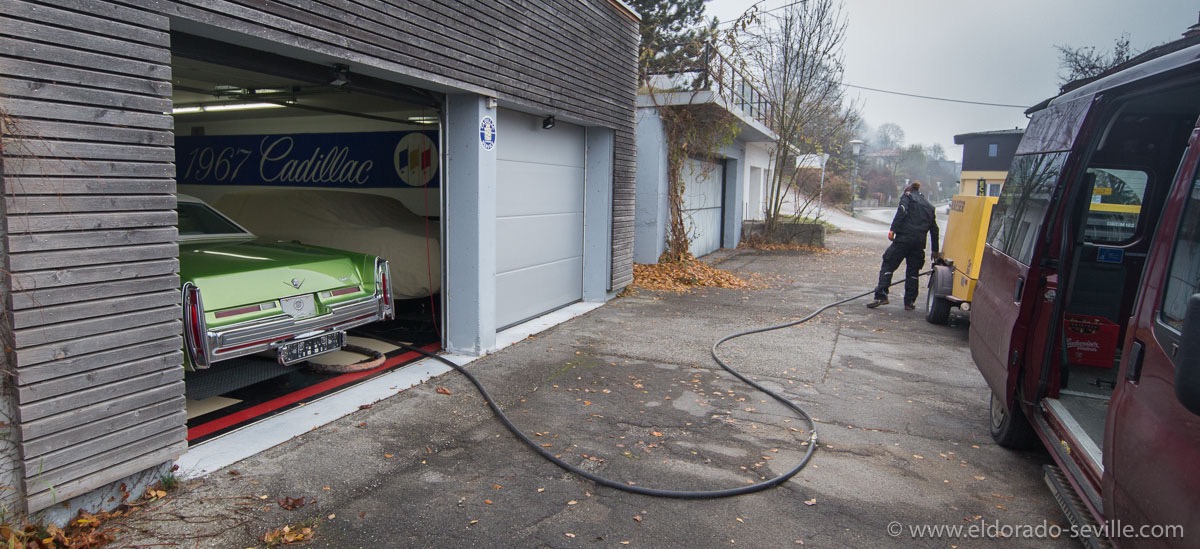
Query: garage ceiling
[[200, 83]]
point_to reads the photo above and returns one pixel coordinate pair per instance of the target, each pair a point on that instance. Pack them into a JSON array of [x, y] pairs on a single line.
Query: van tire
[[1009, 426], [937, 308]]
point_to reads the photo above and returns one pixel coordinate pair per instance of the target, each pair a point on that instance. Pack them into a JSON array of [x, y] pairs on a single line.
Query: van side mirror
[[1187, 367]]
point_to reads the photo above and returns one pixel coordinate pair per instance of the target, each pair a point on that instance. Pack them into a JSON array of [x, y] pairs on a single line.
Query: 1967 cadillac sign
[[346, 160]]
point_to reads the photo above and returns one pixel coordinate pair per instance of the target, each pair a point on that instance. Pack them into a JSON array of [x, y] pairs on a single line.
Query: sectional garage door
[[539, 216], [702, 205]]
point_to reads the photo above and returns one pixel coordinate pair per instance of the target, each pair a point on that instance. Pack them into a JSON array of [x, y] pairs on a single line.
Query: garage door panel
[[702, 185], [521, 138], [539, 216], [532, 189], [703, 207], [526, 241], [705, 231], [530, 292]]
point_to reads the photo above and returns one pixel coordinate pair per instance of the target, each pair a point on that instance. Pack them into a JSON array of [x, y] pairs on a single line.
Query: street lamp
[[855, 150]]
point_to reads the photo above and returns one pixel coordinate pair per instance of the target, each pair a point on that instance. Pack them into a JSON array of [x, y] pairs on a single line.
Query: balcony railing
[[711, 71]]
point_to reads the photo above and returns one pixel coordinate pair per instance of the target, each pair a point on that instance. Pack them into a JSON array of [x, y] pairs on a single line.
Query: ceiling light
[[423, 119], [219, 107]]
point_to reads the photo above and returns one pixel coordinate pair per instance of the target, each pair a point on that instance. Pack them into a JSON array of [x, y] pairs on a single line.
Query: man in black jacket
[[914, 218]]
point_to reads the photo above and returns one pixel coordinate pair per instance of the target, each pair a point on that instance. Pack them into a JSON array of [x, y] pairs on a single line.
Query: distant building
[[986, 158]]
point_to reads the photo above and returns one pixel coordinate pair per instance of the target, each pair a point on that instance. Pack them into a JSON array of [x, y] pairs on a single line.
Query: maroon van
[[1086, 318]]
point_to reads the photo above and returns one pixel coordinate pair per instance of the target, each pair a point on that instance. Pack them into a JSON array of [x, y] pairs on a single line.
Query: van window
[[1116, 204], [1184, 277], [1024, 199]]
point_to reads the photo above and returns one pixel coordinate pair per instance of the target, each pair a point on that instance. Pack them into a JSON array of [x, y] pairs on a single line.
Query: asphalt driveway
[[629, 391]]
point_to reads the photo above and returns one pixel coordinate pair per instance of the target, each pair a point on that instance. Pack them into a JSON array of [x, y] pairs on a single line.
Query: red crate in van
[[1091, 340]]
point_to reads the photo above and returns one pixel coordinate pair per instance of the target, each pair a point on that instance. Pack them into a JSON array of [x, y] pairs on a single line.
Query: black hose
[[656, 492]]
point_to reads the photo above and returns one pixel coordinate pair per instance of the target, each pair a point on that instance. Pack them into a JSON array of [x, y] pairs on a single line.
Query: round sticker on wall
[[416, 159], [487, 133]]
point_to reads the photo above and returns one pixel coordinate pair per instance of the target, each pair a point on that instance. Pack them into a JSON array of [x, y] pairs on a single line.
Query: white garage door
[[539, 216], [702, 205]]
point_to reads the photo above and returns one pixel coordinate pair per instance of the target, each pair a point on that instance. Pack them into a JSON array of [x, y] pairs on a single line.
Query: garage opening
[[333, 173]]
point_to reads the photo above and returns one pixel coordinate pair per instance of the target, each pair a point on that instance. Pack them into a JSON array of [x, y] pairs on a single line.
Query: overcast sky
[[974, 50]]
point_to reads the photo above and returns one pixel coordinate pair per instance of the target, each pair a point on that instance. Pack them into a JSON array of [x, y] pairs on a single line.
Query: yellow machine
[[954, 276]]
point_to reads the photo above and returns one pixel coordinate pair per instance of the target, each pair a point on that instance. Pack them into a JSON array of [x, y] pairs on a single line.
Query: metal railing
[[711, 71]]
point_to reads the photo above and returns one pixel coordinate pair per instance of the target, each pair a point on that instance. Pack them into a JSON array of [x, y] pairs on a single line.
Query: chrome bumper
[[267, 334]]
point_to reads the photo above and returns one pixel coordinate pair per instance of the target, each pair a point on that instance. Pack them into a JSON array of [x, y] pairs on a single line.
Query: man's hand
[[891, 235]]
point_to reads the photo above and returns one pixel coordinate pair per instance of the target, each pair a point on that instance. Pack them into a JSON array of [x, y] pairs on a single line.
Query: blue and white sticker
[[487, 133], [1110, 255]]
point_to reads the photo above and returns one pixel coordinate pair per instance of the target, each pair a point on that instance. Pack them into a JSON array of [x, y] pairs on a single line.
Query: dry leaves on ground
[[681, 276], [288, 535], [783, 247]]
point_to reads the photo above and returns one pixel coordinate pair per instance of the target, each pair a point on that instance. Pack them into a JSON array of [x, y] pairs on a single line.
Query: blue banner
[[407, 159]]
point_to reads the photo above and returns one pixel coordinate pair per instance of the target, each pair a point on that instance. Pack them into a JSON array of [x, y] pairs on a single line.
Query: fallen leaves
[[443, 391], [682, 276], [781, 247], [288, 535]]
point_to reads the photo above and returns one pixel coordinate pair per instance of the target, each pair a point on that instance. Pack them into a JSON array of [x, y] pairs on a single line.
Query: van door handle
[[1135, 361], [1019, 289]]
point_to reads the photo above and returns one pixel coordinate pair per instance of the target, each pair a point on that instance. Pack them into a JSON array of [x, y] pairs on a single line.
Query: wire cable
[[811, 443]]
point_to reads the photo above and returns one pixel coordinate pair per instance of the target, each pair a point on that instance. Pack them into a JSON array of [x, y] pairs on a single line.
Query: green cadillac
[[242, 296]]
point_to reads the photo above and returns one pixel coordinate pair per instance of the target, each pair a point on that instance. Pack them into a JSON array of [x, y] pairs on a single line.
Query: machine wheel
[[1009, 426], [937, 309]]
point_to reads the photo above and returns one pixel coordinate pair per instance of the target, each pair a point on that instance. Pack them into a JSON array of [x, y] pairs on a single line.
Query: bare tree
[[796, 56], [1086, 62], [889, 136]]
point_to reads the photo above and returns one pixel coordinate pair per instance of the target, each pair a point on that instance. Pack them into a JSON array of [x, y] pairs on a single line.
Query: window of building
[[993, 150]]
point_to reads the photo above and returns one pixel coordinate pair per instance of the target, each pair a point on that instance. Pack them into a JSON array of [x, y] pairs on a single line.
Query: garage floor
[[238, 392]]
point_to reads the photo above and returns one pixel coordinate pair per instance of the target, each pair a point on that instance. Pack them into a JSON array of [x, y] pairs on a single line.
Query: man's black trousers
[[913, 257]]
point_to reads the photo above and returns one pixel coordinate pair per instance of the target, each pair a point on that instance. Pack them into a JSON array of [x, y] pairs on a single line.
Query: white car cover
[[358, 222]]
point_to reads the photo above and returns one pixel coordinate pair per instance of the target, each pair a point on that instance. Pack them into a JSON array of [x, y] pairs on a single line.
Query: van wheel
[[1009, 426], [937, 309]]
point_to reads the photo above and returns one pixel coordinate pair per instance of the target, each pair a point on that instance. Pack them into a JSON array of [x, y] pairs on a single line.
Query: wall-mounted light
[[548, 122], [423, 119], [340, 76], [491, 102]]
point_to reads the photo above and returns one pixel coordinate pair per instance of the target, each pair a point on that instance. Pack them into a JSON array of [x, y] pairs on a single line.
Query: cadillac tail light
[[383, 284], [194, 327]]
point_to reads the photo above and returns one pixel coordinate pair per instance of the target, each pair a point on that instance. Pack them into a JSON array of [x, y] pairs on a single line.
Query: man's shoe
[[877, 303], [909, 306]]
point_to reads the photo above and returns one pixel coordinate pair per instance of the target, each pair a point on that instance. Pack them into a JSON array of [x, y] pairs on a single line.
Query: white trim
[[225, 450]]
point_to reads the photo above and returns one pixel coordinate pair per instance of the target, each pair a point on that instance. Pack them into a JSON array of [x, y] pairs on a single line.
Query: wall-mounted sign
[[340, 160], [487, 133]]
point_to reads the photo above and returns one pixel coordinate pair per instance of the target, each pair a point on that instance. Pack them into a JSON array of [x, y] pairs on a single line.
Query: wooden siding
[[90, 287], [91, 307], [574, 59]]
